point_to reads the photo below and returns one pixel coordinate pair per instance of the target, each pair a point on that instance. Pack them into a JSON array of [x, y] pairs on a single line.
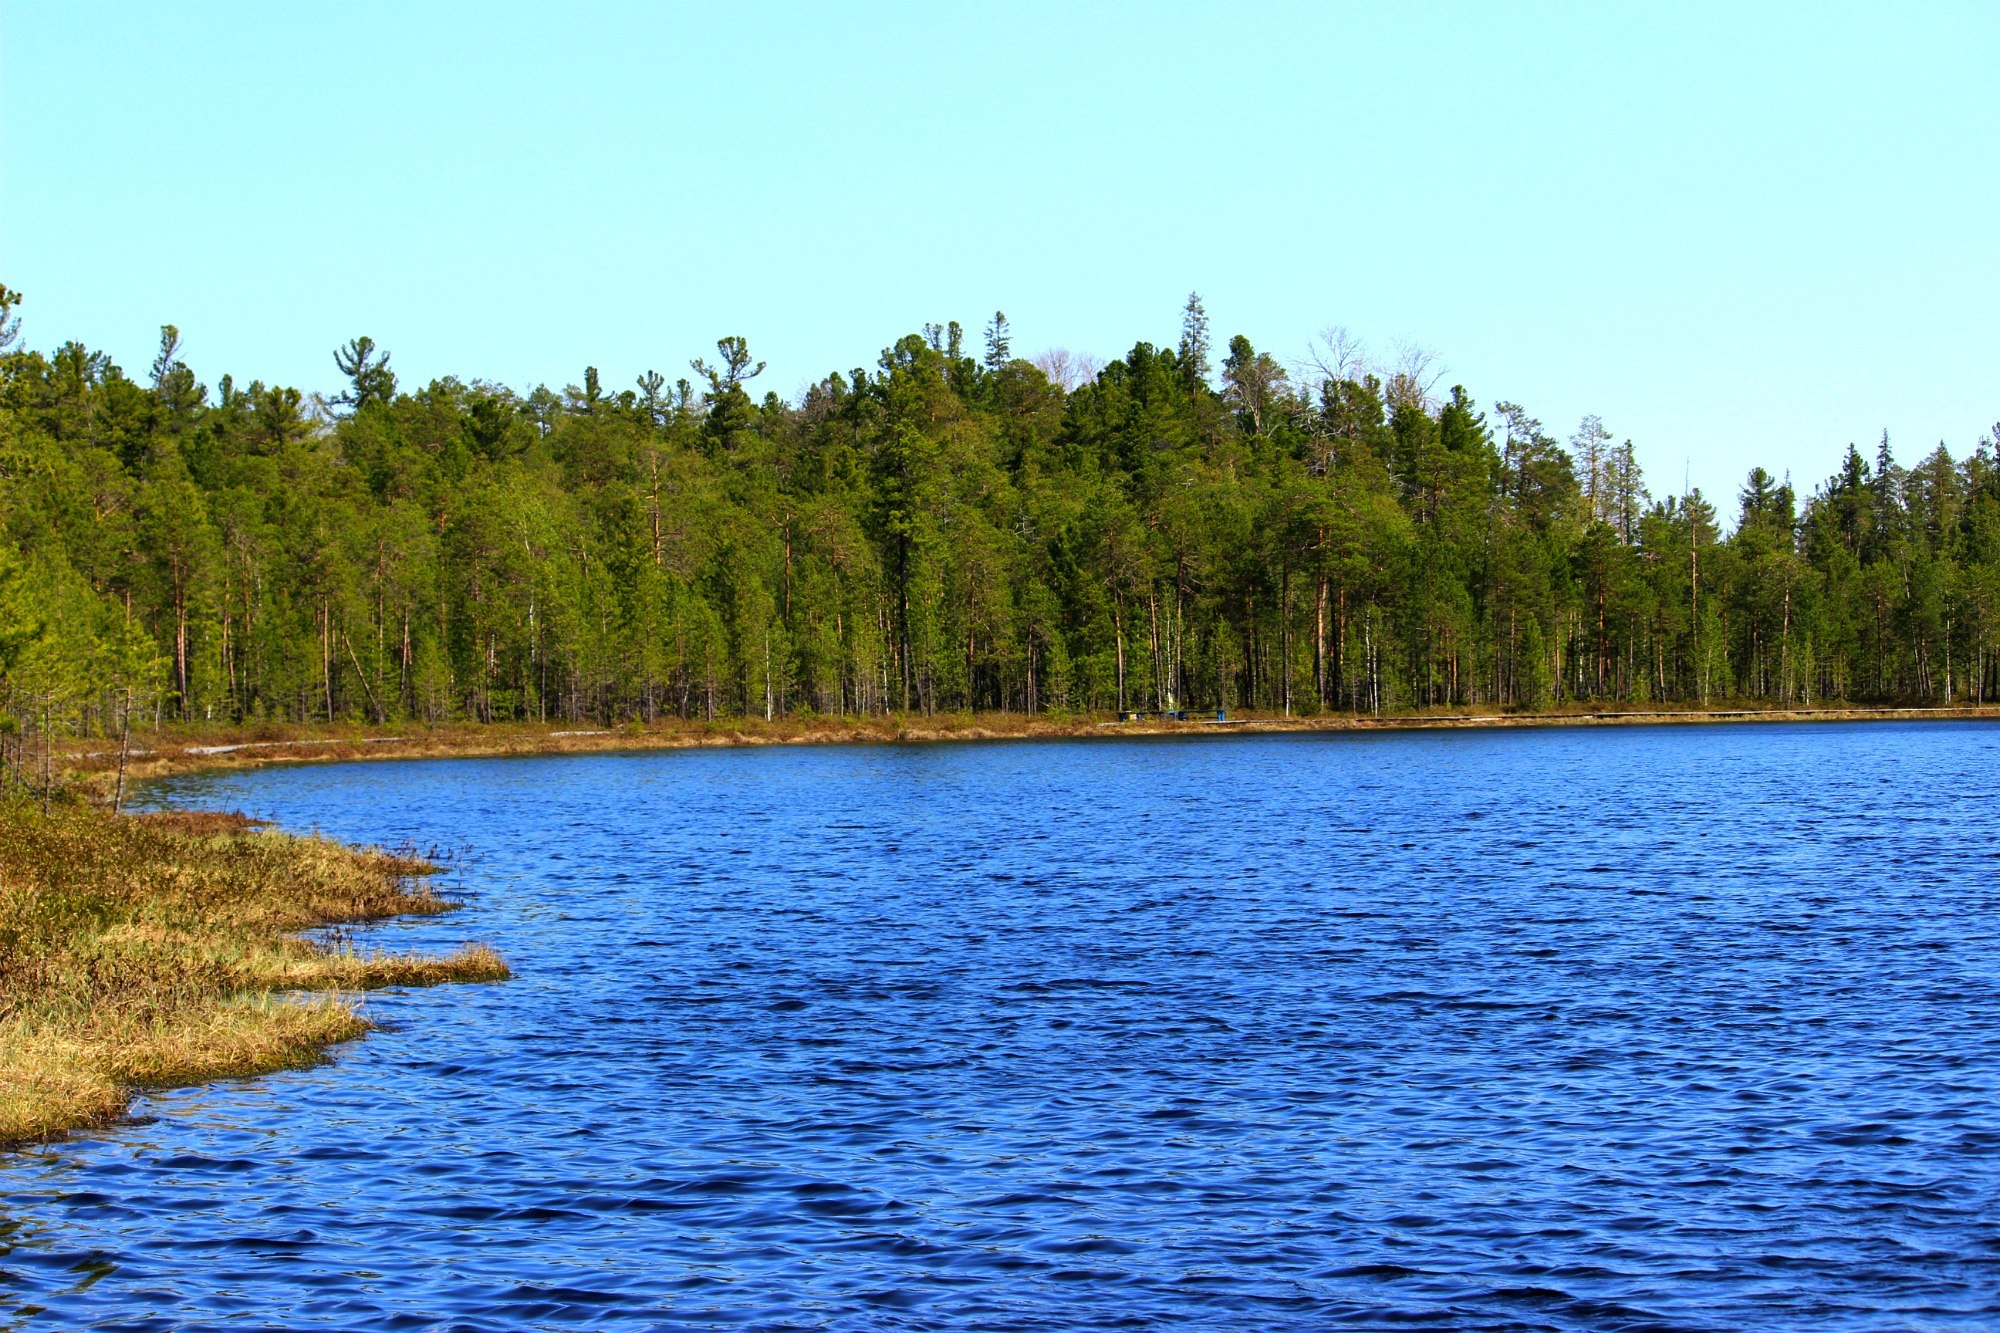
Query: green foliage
[[939, 533], [369, 378]]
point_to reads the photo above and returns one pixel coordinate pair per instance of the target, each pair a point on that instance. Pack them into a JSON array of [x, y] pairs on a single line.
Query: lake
[[1637, 1028]]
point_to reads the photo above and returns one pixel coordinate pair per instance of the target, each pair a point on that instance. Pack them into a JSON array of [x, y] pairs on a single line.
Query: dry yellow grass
[[159, 950]]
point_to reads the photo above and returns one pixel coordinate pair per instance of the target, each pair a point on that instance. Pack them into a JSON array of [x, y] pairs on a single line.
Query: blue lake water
[[1652, 1028]]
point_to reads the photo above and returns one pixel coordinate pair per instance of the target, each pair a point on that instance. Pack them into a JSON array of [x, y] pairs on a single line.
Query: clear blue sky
[[1740, 234]]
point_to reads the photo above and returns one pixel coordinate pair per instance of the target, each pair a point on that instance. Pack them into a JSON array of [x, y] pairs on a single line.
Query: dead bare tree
[[1335, 354], [1068, 370], [1416, 376]]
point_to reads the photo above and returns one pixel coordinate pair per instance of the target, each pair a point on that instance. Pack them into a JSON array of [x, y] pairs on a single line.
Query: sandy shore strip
[[173, 749]]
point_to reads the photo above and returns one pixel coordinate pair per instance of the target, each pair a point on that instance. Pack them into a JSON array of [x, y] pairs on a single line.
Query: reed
[[159, 950]]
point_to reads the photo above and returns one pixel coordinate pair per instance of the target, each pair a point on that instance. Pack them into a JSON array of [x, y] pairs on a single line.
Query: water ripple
[[1662, 1029]]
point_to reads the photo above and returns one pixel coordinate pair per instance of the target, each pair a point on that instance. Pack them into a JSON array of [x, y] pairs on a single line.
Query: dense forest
[[952, 528]]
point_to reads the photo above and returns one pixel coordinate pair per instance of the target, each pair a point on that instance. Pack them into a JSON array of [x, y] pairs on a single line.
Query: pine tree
[[1193, 350], [369, 378], [999, 342]]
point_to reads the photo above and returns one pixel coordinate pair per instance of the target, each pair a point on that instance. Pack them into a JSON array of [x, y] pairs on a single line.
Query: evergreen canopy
[[942, 531]]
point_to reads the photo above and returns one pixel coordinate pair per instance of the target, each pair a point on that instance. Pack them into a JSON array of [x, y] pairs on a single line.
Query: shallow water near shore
[[1666, 1028]]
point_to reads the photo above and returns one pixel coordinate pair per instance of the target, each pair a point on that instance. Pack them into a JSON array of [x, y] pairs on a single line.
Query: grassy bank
[[160, 950]]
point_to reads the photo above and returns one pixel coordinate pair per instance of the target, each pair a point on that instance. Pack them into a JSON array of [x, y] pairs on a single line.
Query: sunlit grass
[[162, 950]]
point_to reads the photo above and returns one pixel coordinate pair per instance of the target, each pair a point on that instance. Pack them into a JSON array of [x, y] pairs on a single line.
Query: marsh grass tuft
[[165, 949]]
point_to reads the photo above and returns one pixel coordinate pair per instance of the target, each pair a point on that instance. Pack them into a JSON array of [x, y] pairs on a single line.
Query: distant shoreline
[[177, 750]]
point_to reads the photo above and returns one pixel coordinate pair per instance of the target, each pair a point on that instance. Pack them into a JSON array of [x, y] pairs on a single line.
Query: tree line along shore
[[950, 530]]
